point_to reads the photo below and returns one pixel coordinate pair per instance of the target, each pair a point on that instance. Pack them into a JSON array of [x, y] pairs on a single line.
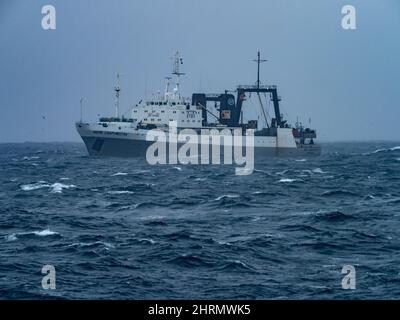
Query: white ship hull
[[122, 140]]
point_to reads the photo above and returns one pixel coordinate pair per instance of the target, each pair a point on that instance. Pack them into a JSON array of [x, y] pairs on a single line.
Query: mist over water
[[122, 229]]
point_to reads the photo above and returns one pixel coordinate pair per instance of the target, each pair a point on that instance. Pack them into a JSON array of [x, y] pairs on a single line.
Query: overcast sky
[[346, 81]]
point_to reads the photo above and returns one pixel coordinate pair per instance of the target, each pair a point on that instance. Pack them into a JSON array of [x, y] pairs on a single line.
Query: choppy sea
[[122, 229]]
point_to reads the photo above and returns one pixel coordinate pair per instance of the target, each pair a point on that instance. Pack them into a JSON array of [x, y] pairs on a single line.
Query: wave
[[333, 216], [189, 261], [338, 193], [262, 171], [235, 265], [318, 170], [44, 233], [39, 233], [120, 192], [282, 172], [58, 187], [287, 180], [119, 174], [144, 240], [155, 223], [11, 237], [382, 150], [227, 196], [35, 186], [265, 193], [150, 204], [92, 244], [55, 187]]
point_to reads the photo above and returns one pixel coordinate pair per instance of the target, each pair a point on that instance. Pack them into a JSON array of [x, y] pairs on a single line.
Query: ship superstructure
[[120, 136]]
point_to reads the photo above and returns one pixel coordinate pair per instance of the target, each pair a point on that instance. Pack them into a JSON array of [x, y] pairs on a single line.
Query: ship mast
[[176, 71], [168, 82], [117, 90], [259, 61]]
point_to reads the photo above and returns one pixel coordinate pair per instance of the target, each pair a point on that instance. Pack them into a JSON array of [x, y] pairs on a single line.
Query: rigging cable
[[262, 108]]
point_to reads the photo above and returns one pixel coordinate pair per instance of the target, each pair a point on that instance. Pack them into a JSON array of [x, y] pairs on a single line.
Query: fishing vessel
[[126, 136]]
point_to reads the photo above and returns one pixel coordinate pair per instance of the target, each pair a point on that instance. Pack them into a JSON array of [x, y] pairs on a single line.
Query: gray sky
[[348, 82]]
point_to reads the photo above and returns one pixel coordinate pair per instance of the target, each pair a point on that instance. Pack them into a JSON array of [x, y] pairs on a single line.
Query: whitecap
[[141, 171], [119, 174], [223, 243], [178, 168], [301, 160], [240, 263], [151, 217], [378, 150], [282, 172], [88, 244], [44, 233], [120, 192], [382, 150], [151, 241], [318, 170], [58, 187], [64, 178], [287, 180], [11, 237], [227, 196], [31, 158], [34, 186]]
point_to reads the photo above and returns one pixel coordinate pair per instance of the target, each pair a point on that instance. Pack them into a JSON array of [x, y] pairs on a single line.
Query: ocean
[[122, 229]]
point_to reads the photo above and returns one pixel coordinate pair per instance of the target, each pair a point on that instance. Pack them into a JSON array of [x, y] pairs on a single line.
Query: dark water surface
[[122, 229]]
